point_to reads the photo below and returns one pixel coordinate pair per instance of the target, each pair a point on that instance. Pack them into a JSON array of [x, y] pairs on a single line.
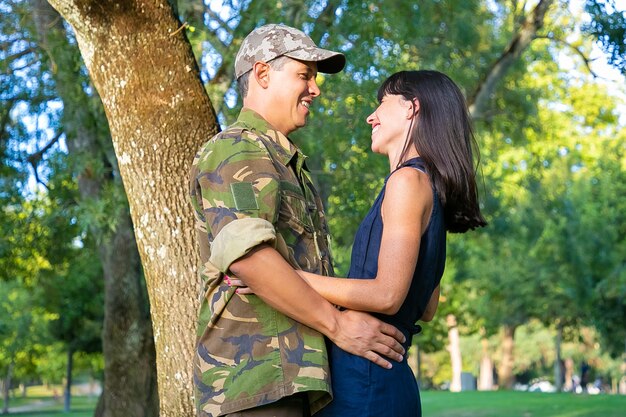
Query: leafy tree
[[49, 83], [22, 329]]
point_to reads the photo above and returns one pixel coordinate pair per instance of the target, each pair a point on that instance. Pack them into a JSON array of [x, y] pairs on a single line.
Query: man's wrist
[[332, 324]]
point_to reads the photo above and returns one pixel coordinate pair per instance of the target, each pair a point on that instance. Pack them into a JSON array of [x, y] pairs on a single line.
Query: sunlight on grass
[[48, 401], [434, 404], [520, 404]]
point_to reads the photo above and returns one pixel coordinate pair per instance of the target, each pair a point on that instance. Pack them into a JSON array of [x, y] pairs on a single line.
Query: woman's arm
[[406, 210]]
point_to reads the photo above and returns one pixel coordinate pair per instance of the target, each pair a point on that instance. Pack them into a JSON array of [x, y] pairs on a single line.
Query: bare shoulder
[[408, 195], [409, 180]]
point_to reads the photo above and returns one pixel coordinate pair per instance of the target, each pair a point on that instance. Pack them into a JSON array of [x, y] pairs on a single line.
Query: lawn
[[520, 404], [45, 406], [434, 404], [40, 402]]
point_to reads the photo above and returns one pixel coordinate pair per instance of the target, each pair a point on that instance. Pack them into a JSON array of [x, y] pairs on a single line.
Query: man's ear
[[261, 72]]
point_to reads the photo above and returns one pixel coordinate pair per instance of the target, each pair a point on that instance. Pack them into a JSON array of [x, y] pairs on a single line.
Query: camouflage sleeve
[[240, 197], [237, 238]]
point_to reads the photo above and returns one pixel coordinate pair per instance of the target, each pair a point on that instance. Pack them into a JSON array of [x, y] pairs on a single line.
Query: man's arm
[[270, 277]]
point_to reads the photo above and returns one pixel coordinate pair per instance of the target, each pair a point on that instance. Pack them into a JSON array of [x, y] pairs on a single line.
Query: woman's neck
[[394, 160]]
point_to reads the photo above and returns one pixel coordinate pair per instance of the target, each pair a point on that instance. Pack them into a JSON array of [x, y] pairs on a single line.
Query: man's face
[[292, 89]]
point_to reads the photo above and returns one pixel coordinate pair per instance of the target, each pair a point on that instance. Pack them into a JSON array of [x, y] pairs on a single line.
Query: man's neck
[[263, 108]]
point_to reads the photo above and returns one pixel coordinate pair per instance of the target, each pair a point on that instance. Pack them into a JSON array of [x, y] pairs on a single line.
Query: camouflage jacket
[[249, 185]]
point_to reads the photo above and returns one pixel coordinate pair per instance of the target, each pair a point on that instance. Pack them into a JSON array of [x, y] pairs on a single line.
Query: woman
[[423, 127]]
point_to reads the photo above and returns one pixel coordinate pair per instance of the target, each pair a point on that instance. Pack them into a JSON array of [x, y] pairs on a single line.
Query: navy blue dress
[[361, 388]]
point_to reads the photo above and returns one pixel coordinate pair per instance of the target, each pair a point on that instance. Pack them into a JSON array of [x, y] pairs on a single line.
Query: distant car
[[520, 387], [542, 386]]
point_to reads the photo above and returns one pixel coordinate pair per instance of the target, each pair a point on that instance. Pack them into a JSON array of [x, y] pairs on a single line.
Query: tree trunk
[[505, 373], [569, 374], [485, 377], [67, 395], [130, 369], [130, 346], [558, 361], [6, 389], [159, 114], [455, 353], [479, 100], [622, 380]]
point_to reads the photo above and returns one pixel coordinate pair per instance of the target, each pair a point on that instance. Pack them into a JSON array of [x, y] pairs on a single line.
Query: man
[[259, 218]]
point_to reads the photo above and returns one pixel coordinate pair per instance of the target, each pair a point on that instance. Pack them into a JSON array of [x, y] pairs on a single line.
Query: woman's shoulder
[[408, 185], [408, 177]]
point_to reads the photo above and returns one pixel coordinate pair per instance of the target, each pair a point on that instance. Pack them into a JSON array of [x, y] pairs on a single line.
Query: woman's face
[[390, 123]]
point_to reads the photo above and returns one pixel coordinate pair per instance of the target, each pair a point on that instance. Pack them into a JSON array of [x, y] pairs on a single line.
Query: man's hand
[[364, 335], [358, 333], [272, 279]]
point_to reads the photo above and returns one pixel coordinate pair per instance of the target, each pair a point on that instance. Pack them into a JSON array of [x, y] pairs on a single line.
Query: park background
[[97, 259]]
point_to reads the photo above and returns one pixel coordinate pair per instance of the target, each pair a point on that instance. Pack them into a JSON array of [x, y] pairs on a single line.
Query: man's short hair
[[276, 64]]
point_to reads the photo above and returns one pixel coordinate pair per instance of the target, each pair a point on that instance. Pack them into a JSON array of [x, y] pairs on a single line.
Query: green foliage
[[23, 330], [52, 287]]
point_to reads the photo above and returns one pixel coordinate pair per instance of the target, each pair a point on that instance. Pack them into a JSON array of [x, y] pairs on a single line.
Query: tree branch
[[580, 53], [478, 101], [12, 58], [325, 20], [36, 157], [6, 117]]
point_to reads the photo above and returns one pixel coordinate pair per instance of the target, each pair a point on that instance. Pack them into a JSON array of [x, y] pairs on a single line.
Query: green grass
[[520, 404], [47, 406], [434, 404]]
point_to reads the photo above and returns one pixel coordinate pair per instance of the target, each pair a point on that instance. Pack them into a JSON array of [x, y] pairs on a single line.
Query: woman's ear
[[261, 72], [413, 107]]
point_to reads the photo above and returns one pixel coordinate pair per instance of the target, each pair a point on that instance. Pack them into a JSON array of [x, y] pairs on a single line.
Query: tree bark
[[455, 353], [6, 388], [558, 362], [479, 100], [485, 377], [505, 373], [128, 346], [569, 374], [142, 65], [67, 395]]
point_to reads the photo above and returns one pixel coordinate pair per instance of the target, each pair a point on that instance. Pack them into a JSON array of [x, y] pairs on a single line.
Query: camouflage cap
[[271, 41]]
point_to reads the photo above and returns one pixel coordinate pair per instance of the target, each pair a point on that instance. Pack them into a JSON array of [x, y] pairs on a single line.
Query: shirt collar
[[250, 119]]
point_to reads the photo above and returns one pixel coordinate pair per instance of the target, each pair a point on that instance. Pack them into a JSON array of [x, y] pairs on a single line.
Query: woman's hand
[[242, 288]]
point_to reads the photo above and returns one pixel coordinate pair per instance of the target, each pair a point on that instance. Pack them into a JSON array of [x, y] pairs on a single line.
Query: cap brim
[[328, 62]]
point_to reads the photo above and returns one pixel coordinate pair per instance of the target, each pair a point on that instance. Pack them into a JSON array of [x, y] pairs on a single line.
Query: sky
[[607, 75]]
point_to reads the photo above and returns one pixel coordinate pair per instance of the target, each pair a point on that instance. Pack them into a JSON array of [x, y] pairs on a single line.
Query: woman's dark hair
[[443, 136]]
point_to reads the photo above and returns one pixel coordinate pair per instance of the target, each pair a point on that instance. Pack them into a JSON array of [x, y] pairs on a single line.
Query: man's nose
[[314, 90]]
